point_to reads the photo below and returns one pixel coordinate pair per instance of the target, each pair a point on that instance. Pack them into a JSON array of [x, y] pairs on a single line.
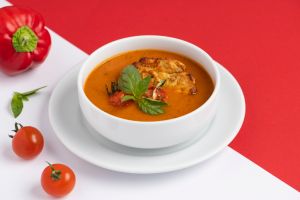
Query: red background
[[258, 41]]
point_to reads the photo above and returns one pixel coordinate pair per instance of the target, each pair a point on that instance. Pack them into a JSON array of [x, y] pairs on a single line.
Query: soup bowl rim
[[80, 81]]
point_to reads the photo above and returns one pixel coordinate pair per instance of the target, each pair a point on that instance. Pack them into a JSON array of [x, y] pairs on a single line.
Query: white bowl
[[157, 134]]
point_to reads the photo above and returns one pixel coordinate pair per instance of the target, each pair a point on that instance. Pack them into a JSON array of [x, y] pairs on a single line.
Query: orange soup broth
[[178, 104]]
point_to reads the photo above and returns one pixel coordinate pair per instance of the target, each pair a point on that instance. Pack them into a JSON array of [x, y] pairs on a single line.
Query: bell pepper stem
[[24, 40]]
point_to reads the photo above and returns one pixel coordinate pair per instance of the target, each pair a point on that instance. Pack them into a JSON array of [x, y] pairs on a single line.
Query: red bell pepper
[[24, 39]]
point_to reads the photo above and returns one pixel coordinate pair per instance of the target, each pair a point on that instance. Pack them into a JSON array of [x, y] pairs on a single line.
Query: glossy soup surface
[[178, 104]]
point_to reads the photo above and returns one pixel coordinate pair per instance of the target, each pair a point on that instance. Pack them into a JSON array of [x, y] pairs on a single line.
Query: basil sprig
[[132, 84], [18, 98]]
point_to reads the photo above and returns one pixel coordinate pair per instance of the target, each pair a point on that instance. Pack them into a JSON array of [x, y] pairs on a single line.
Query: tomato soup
[[178, 104]]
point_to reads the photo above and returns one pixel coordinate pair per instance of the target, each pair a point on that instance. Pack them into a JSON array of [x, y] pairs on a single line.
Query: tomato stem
[[18, 126], [55, 174]]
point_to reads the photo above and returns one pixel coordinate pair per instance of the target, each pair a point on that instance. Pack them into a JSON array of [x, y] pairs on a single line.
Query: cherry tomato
[[156, 94], [58, 180], [28, 141], [116, 99]]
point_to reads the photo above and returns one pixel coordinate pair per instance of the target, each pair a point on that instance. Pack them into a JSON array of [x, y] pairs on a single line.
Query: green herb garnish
[[18, 98], [132, 84], [150, 106]]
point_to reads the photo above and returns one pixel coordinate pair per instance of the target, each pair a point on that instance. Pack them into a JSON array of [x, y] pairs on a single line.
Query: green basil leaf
[[143, 86], [129, 80], [127, 98], [16, 104], [132, 84], [18, 98], [151, 107], [157, 102], [31, 92], [25, 98]]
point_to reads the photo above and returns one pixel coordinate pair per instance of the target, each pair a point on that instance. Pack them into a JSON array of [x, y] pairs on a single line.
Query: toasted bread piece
[[171, 70]]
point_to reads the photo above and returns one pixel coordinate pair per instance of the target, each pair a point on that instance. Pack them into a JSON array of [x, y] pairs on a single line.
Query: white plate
[[71, 129]]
